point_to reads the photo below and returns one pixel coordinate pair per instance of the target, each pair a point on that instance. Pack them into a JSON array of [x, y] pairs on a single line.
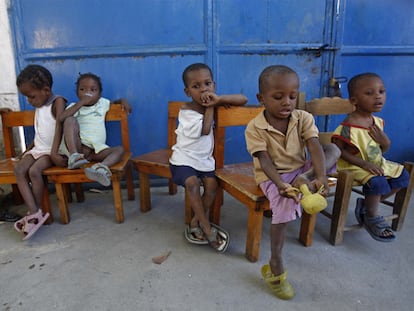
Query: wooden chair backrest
[[14, 119], [225, 117], [116, 113], [326, 106], [173, 111]]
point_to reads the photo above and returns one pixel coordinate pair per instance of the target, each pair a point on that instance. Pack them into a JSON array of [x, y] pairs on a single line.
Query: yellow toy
[[312, 203]]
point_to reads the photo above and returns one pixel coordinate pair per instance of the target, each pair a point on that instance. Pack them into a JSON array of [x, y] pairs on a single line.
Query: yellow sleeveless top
[[368, 150]]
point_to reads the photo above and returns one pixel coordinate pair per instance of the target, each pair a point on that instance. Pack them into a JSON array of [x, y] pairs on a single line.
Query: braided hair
[[37, 75]]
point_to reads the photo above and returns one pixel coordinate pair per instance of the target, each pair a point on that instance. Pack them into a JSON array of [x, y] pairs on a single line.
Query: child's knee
[[210, 184], [35, 173], [377, 185], [19, 170], [192, 184]]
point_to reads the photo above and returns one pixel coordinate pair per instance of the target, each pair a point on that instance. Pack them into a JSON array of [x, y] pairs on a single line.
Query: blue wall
[[140, 48]]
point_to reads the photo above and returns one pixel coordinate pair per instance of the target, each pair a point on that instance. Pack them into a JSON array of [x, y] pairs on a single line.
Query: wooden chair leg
[[144, 192], [68, 192], [307, 227], [402, 199], [340, 207], [63, 203], [80, 196], [172, 188], [119, 211], [254, 232], [129, 177]]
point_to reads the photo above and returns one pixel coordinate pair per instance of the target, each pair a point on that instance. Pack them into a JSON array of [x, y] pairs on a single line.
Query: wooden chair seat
[[240, 176], [155, 163], [7, 171]]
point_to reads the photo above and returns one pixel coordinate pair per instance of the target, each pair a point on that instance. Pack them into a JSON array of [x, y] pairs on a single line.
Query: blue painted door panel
[[109, 25]]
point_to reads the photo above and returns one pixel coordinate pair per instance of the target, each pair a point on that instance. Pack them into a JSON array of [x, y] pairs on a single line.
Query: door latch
[[317, 50]]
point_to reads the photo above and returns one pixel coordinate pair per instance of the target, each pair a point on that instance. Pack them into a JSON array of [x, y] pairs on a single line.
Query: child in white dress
[[35, 82]]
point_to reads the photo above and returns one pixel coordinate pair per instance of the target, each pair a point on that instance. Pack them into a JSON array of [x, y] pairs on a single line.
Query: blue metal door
[[140, 48]]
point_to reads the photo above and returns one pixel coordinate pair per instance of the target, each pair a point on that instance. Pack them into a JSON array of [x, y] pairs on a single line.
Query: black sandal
[[8, 216]]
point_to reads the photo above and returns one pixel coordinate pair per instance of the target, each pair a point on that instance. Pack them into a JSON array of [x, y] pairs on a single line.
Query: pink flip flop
[[19, 225], [32, 223]]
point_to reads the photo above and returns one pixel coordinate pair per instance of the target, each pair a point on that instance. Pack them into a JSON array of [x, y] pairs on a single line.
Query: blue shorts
[[381, 185], [180, 173]]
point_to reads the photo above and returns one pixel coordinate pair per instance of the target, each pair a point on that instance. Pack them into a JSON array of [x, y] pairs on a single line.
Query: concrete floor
[[94, 263]]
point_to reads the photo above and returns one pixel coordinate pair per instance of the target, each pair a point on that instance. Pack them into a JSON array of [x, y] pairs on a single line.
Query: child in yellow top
[[362, 141]]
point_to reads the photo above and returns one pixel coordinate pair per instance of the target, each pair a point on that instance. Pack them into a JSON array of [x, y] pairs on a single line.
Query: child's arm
[[212, 99], [347, 154], [318, 163], [207, 120], [84, 101], [58, 108], [124, 104]]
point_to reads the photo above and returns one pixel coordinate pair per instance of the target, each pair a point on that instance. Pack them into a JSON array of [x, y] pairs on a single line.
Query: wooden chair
[[346, 184], [157, 163], [10, 121], [62, 176], [237, 179]]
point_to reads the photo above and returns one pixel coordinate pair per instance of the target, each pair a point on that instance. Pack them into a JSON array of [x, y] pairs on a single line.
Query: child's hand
[[378, 135], [125, 105], [209, 99], [322, 186], [286, 190], [89, 99], [373, 169], [59, 160]]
